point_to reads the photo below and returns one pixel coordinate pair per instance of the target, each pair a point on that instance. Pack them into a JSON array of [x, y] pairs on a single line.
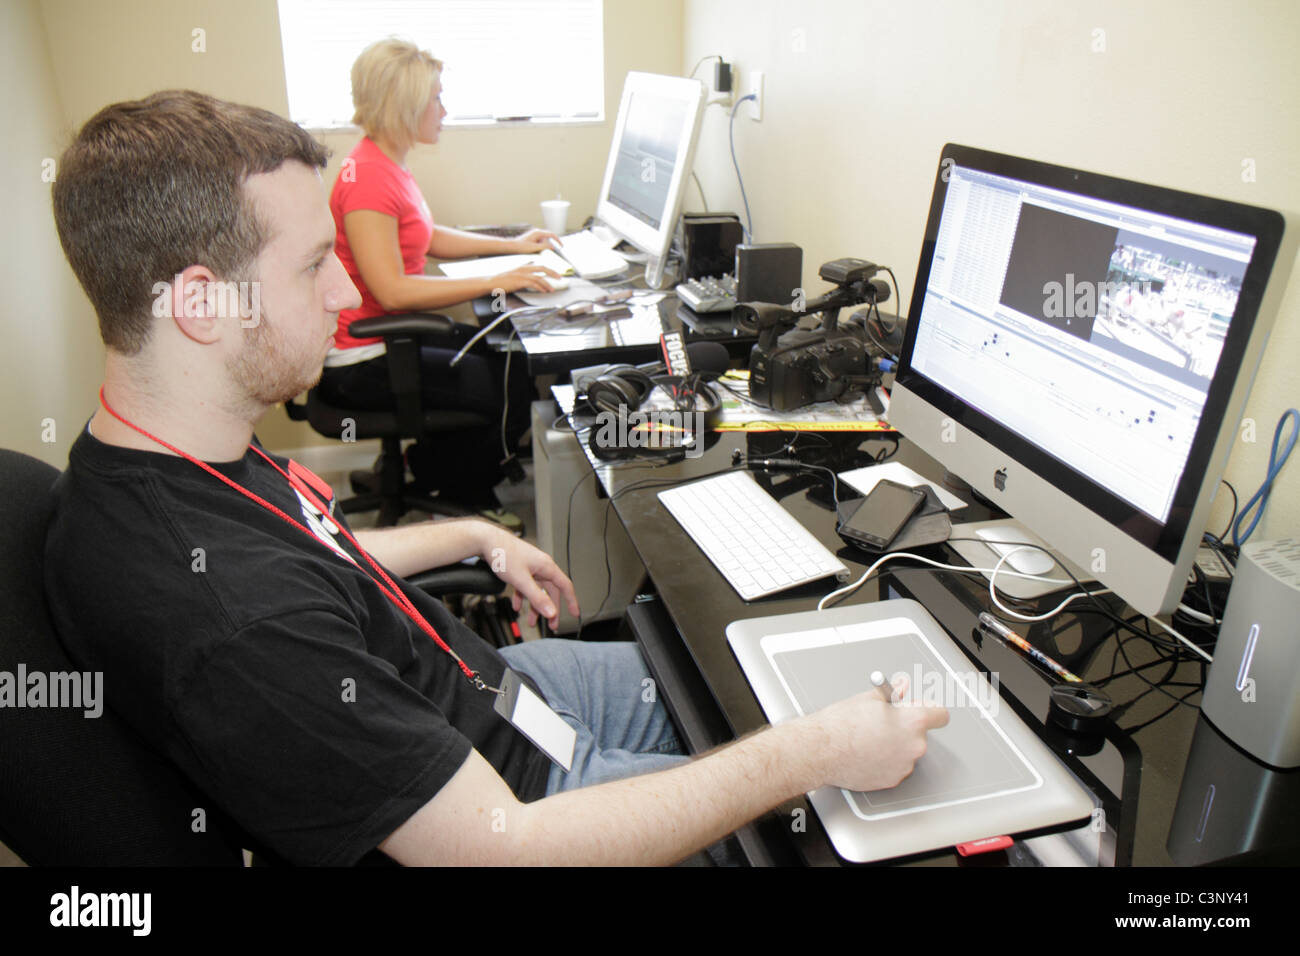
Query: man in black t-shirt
[[245, 633]]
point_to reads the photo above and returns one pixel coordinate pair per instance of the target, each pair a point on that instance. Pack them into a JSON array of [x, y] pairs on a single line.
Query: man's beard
[[264, 373]]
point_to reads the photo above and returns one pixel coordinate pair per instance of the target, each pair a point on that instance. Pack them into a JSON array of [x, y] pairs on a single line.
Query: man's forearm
[[413, 548], [660, 818], [860, 743]]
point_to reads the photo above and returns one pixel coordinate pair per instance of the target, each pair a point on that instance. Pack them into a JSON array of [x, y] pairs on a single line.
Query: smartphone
[[881, 515]]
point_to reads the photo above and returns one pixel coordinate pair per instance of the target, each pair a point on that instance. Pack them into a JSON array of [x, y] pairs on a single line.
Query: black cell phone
[[878, 518]]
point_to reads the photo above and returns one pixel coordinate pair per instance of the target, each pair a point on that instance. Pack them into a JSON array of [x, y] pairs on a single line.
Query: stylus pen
[[1003, 633], [884, 686]]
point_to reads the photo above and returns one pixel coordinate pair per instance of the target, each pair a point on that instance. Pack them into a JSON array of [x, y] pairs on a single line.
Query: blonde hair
[[391, 80]]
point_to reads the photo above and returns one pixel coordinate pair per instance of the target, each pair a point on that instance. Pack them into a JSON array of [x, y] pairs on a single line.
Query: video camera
[[792, 367]]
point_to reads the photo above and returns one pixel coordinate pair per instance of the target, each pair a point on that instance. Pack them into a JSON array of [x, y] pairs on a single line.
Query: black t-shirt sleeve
[[296, 698]]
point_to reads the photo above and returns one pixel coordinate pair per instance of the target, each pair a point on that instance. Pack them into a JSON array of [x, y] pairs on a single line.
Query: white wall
[[104, 51], [861, 97], [52, 355]]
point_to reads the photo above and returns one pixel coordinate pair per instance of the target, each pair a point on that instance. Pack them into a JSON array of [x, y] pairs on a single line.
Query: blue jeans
[[605, 693]]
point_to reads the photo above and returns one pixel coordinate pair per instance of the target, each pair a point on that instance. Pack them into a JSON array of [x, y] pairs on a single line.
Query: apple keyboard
[[757, 545], [591, 258]]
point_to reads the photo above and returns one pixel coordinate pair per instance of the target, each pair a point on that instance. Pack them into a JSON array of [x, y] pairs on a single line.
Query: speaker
[[768, 272], [1252, 692], [709, 243]]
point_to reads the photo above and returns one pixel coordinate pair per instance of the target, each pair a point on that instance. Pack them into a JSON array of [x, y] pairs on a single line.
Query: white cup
[[555, 215]]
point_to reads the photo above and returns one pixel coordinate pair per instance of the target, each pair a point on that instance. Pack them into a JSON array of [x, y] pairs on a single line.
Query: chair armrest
[[403, 334], [474, 578], [297, 411], [409, 323]]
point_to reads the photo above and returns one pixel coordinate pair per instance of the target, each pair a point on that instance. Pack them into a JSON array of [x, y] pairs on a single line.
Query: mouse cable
[[492, 325], [1042, 617], [849, 588], [993, 572]]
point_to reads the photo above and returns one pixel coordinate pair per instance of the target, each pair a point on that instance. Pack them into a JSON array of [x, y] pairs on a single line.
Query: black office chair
[[388, 490], [78, 791]]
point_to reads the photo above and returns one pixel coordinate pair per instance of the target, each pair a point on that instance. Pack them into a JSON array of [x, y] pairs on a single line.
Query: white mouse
[[1006, 540]]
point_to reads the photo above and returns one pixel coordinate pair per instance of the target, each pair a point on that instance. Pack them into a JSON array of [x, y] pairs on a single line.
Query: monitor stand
[[983, 556], [655, 271]]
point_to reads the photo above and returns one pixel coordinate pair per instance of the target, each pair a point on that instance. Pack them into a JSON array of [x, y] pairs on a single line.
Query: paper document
[[864, 479], [741, 414], [495, 265]]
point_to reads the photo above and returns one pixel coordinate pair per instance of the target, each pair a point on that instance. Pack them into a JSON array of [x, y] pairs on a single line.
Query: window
[[537, 60]]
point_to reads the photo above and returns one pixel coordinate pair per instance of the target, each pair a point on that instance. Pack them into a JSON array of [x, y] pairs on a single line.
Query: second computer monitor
[[1080, 349], [649, 163]]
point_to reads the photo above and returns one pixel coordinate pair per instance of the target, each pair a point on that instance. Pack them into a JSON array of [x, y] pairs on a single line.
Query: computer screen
[[1080, 349], [650, 162]]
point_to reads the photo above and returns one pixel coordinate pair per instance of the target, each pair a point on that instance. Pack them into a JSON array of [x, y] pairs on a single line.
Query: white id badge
[[533, 718]]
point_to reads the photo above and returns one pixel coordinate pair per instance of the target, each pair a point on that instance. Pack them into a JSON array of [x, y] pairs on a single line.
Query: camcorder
[[791, 367]]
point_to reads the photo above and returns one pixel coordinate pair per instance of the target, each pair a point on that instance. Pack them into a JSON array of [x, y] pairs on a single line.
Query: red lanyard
[[300, 484]]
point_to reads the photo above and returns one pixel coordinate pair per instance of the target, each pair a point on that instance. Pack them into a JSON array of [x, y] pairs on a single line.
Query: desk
[[556, 347], [681, 631]]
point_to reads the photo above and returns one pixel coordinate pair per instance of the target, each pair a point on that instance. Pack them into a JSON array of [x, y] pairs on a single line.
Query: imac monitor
[[649, 163], [1080, 348]]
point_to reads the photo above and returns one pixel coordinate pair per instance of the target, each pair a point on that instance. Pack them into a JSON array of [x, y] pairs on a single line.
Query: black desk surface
[[555, 346], [700, 604]]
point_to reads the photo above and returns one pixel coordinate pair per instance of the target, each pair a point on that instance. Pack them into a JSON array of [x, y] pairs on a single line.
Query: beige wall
[[861, 96], [103, 51], [52, 352]]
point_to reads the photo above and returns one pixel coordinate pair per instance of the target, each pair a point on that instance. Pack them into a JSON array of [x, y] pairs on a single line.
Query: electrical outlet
[[754, 86]]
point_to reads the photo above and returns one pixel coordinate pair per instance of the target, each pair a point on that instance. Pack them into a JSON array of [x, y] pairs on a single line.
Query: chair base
[[387, 491]]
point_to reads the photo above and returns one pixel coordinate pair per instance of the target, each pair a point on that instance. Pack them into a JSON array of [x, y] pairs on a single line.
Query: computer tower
[[1231, 808], [560, 467], [1252, 692]]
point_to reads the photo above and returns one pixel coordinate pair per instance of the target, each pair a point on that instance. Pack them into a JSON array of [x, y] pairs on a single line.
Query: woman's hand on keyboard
[[535, 240]]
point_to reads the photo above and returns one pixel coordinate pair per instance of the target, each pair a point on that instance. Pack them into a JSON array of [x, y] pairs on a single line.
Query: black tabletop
[[555, 345], [700, 604]]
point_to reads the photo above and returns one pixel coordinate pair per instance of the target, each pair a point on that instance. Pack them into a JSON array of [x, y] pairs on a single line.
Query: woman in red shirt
[[384, 233]]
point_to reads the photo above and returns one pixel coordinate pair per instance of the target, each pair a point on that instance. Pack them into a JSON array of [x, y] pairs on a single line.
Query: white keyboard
[[756, 544], [590, 257]]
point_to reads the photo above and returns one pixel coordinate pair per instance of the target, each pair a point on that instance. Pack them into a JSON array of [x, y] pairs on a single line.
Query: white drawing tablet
[[984, 774]]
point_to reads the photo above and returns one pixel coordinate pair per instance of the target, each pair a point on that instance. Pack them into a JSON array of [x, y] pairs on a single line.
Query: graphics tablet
[[984, 774]]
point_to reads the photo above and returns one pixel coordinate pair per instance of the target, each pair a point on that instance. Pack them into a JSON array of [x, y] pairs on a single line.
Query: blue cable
[[1275, 463], [731, 135]]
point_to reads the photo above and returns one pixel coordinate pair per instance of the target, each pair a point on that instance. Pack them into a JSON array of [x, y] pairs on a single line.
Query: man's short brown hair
[[153, 186]]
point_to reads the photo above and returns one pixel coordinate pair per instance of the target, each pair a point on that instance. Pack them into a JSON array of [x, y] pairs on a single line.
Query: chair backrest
[[78, 790]]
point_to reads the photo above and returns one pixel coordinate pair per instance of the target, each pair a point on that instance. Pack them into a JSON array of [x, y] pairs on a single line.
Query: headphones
[[622, 389], [619, 386]]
